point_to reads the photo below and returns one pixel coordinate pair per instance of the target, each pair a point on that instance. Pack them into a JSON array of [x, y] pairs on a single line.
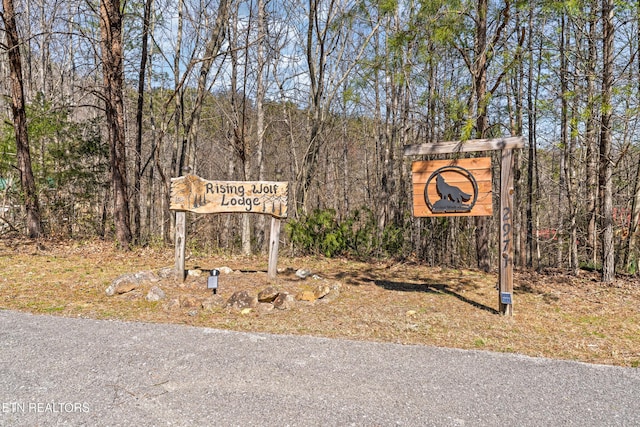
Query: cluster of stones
[[270, 298], [244, 301]]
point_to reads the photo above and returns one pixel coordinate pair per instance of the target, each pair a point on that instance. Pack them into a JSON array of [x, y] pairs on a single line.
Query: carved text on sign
[[194, 194]]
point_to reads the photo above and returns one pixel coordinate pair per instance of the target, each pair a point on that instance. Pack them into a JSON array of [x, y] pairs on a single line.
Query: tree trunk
[[32, 207], [564, 141], [139, 110], [260, 127], [177, 149], [238, 120], [606, 162], [113, 70], [630, 261], [532, 183], [212, 48], [480, 83], [590, 139]]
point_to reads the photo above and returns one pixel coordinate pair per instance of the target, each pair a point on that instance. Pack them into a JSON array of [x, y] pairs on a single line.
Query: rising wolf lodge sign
[[457, 187], [191, 193], [194, 194]]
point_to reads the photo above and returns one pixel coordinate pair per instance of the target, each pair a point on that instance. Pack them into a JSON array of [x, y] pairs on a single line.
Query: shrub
[[321, 232]]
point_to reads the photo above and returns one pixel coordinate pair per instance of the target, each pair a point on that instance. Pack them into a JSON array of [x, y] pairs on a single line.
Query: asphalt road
[[61, 371]]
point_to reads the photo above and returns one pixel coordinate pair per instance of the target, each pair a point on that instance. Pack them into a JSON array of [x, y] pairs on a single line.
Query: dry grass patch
[[556, 315]]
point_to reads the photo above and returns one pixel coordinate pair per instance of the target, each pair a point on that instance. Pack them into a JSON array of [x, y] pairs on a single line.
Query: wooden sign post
[[452, 196], [194, 194]]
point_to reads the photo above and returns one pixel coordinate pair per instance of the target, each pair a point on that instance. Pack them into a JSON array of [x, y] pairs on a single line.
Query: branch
[[511, 63]]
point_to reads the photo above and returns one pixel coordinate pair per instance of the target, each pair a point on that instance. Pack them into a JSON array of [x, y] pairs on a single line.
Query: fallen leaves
[[556, 315]]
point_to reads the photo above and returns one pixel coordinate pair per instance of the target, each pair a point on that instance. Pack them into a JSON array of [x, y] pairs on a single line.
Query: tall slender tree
[[260, 114], [592, 164], [635, 205], [113, 77], [483, 54], [146, 18], [32, 206], [606, 160]]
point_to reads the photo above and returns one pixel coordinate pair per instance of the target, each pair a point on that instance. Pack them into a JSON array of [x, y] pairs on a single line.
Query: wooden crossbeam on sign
[[468, 146]]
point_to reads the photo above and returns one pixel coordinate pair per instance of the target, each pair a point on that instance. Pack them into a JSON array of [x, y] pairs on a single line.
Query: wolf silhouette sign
[[457, 194], [459, 187], [452, 198], [447, 191]]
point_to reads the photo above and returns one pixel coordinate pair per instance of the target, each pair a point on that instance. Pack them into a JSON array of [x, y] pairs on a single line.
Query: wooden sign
[[191, 193], [194, 194], [506, 146], [452, 187]]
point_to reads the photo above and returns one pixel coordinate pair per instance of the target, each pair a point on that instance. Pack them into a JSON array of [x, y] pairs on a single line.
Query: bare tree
[[137, 188], [113, 70], [483, 53], [212, 47], [635, 205], [238, 115], [606, 160], [260, 114], [32, 207], [326, 49]]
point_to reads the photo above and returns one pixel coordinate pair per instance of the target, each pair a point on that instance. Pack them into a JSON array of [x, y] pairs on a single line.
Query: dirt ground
[[555, 315]]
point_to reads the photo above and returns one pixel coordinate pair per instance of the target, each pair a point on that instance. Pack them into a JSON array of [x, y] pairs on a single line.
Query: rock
[[246, 310], [130, 281], [331, 296], [284, 301], [316, 277], [242, 299], [306, 296], [302, 273], [264, 307], [320, 291], [147, 276], [166, 272], [268, 294], [121, 287], [155, 294], [225, 270], [215, 301], [334, 292], [194, 273], [189, 301], [173, 303]]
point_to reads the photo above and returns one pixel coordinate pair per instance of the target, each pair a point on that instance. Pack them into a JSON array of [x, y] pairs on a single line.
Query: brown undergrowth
[[555, 315]]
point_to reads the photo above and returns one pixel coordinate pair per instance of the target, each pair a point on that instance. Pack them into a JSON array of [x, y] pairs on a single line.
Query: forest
[[105, 101]]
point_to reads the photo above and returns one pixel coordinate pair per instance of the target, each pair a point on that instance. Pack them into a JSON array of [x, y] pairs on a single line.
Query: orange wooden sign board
[[459, 187]]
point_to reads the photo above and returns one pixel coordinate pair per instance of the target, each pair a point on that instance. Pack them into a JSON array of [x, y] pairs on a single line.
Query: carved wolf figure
[[447, 191]]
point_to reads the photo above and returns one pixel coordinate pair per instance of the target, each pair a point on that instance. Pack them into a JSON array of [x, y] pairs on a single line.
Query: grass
[[555, 315]]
